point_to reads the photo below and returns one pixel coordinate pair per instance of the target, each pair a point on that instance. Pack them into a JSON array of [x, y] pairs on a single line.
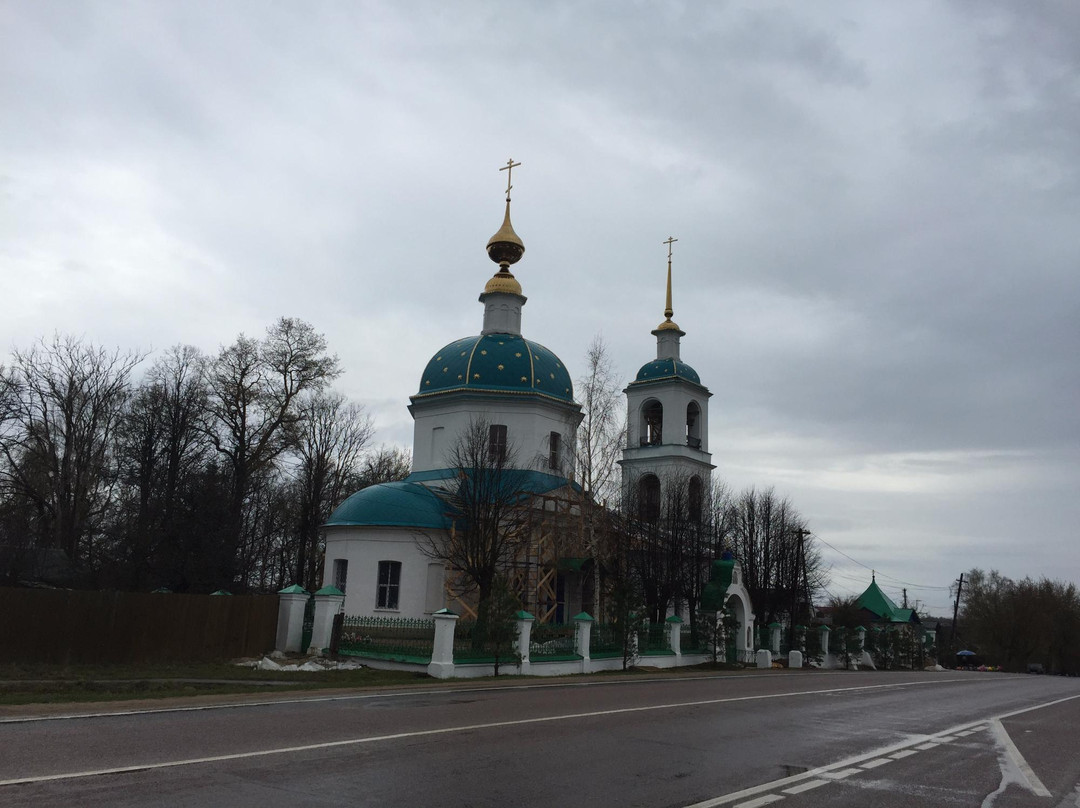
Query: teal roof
[[398, 504], [879, 604], [664, 369], [411, 503], [496, 363]]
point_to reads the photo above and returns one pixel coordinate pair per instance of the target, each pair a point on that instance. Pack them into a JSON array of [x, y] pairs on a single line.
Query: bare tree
[[386, 464], [63, 401], [599, 443], [332, 436], [255, 415], [488, 502]]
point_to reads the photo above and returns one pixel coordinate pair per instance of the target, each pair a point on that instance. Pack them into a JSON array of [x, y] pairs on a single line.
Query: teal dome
[[663, 369], [497, 363], [399, 504]]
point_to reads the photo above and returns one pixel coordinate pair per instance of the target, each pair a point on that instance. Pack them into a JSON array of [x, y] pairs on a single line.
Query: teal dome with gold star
[[665, 369], [499, 364]]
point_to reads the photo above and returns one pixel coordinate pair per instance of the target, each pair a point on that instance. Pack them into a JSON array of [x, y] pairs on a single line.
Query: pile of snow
[[312, 665], [933, 668]]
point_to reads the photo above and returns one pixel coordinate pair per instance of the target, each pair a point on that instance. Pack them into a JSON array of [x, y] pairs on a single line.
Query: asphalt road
[[800, 737]]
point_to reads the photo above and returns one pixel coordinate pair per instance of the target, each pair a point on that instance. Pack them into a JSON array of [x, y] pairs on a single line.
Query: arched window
[[694, 498], [693, 425], [652, 423], [649, 497]]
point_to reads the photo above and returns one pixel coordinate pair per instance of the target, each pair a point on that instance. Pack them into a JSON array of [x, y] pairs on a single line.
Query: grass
[[45, 684]]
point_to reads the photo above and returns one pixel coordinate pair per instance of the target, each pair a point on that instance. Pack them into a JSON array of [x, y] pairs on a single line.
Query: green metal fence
[[605, 641], [395, 638], [653, 640], [553, 642], [691, 642]]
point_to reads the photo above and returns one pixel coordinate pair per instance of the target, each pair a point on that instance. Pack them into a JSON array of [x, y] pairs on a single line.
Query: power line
[[878, 572]]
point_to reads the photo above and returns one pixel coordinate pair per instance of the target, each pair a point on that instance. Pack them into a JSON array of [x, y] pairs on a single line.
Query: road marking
[[855, 760], [799, 789], [925, 746], [873, 764], [433, 691], [944, 739], [760, 801], [841, 774], [903, 753], [443, 731], [1036, 785]]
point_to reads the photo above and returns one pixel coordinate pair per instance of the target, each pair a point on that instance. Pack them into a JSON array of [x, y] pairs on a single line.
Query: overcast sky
[[877, 207]]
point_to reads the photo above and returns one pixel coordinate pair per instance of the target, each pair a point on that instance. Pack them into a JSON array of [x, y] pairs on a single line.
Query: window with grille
[[497, 443], [554, 448], [389, 585], [341, 573]]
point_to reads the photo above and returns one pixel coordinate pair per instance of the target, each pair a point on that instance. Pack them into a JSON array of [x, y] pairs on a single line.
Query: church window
[[341, 573], [693, 425], [652, 423], [497, 443], [694, 498], [389, 585], [649, 497], [554, 449]]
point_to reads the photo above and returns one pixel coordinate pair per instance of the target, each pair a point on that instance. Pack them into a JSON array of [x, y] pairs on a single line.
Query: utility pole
[[955, 613], [905, 597]]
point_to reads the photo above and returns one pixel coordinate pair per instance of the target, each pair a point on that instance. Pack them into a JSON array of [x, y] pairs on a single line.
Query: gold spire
[[668, 325], [505, 248]]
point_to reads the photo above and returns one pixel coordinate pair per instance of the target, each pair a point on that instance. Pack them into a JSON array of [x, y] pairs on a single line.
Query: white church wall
[[364, 548], [674, 398], [529, 424]]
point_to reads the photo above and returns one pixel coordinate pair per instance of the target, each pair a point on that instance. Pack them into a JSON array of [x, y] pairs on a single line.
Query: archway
[[652, 423]]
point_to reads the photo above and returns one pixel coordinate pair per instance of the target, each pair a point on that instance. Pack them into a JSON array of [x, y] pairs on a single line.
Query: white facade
[[420, 587]]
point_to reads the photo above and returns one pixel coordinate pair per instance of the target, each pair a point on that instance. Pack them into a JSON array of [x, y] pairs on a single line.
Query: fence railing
[[605, 641], [693, 642], [553, 642], [399, 638], [653, 640]]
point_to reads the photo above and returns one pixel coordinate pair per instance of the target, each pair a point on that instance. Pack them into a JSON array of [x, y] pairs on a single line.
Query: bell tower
[[667, 435]]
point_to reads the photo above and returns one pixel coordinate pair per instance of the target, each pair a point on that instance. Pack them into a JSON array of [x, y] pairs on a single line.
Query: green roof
[[412, 503], [881, 606], [664, 369], [399, 504], [505, 364]]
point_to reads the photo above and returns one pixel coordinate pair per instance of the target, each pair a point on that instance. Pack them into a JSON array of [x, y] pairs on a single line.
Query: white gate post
[[824, 636], [582, 639], [524, 638], [442, 653], [774, 638], [328, 602], [675, 635], [290, 620]]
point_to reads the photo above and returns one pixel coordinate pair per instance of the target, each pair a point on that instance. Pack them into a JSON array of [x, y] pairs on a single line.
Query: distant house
[[879, 608]]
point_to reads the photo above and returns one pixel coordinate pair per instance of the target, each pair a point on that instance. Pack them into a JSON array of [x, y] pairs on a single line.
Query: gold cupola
[[505, 247]]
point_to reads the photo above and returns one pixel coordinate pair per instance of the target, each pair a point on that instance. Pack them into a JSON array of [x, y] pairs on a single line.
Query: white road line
[[444, 731], [924, 746], [1037, 787], [768, 798], [903, 753], [841, 774], [809, 784], [855, 760], [236, 705], [873, 764]]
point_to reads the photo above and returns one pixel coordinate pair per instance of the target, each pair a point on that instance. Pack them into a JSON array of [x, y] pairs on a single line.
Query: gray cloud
[[876, 209]]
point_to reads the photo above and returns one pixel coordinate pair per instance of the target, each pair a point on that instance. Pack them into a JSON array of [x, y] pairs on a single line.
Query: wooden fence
[[62, 626]]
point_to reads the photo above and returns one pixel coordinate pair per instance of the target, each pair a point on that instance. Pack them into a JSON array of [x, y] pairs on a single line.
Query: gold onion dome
[[503, 281], [505, 248]]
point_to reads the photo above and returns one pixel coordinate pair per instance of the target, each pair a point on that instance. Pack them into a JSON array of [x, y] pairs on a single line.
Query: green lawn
[[39, 684]]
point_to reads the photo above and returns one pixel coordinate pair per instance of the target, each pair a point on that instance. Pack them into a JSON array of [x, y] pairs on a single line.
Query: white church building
[[378, 540]]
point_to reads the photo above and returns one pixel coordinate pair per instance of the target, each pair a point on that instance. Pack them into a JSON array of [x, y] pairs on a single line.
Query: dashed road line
[[924, 746], [841, 774], [809, 784], [903, 753], [873, 764]]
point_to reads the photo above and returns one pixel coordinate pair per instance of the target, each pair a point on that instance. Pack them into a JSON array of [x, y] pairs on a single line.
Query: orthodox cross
[[509, 169], [670, 240]]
